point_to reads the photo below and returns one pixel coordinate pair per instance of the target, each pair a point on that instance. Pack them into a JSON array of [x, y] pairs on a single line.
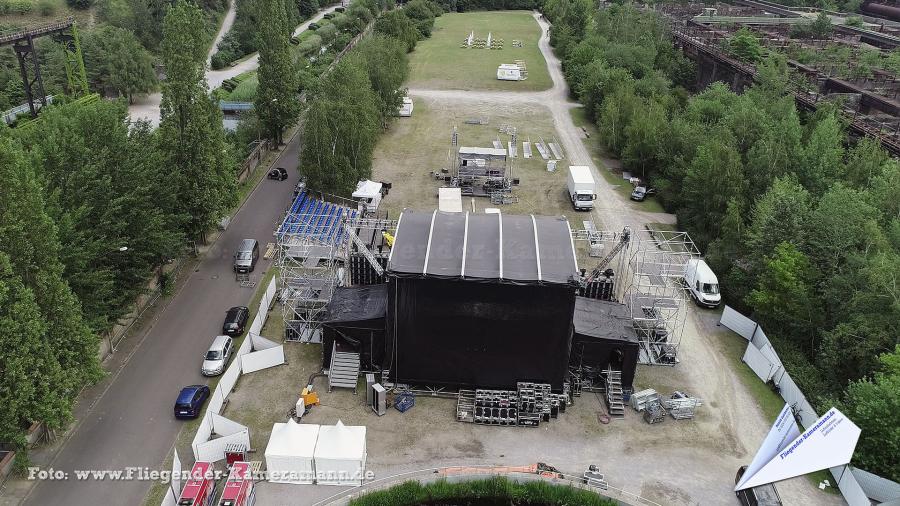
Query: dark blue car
[[190, 401]]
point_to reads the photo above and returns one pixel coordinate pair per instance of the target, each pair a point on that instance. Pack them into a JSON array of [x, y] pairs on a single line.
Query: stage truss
[[649, 273], [311, 267]]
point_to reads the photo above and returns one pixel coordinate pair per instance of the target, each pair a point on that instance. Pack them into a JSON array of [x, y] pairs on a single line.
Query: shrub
[[310, 46], [80, 4], [15, 6], [46, 7], [327, 33]]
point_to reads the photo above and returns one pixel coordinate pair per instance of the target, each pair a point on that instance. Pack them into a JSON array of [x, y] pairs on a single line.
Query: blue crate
[[404, 401]]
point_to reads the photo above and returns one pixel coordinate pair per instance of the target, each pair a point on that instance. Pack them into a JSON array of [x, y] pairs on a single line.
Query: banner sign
[[780, 435], [829, 442]]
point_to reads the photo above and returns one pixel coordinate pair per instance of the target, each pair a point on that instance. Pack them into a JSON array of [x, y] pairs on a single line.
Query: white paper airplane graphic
[[829, 442]]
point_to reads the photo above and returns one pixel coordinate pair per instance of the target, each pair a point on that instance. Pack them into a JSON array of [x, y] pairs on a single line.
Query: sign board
[[780, 435], [829, 442]]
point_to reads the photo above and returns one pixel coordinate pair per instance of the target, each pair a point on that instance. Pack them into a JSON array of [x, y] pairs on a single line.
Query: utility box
[[379, 399], [370, 380]]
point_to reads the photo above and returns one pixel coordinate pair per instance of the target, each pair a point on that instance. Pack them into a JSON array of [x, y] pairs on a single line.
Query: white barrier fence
[[761, 357], [254, 354]]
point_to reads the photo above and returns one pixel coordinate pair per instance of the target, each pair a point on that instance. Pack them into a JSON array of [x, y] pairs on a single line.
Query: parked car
[[217, 356], [190, 401], [246, 256], [235, 320], [639, 193], [762, 495], [278, 174]]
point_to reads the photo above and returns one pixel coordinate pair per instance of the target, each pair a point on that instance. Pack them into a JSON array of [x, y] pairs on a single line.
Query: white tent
[[289, 454], [341, 454]]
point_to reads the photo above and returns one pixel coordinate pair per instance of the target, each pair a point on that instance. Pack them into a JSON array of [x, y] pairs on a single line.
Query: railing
[[56, 26]]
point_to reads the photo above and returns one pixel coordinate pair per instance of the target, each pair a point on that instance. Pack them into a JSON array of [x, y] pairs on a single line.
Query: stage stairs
[[344, 369], [614, 396]]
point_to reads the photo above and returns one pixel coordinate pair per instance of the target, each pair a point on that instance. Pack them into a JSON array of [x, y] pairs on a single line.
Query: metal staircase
[[344, 369], [614, 397]]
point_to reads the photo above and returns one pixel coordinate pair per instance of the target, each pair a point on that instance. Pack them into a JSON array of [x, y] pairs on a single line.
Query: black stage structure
[[604, 338], [354, 318], [480, 300]]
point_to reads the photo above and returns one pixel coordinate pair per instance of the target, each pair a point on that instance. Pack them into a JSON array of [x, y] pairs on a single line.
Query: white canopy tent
[[341, 454], [290, 452]]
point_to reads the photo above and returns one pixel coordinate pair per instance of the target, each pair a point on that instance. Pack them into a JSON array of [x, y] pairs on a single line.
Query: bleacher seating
[[315, 218]]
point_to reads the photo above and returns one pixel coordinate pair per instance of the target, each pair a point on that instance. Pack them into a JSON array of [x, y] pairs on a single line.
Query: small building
[[509, 72], [289, 454], [341, 454], [406, 108]]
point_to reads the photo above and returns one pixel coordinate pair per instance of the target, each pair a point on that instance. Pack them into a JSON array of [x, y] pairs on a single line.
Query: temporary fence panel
[[169, 499], [792, 394], [759, 363], [175, 482], [261, 343], [256, 326], [229, 432], [263, 359], [739, 323], [214, 449], [204, 431], [850, 488], [216, 401], [230, 377]]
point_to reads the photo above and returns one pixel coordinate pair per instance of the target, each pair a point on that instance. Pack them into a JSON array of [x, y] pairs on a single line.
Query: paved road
[[132, 423], [147, 107]]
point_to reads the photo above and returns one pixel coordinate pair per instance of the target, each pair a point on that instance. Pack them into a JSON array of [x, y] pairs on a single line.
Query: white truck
[[581, 187], [702, 283]]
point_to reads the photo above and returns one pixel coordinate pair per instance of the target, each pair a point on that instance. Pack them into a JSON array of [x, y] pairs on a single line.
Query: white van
[[702, 283]]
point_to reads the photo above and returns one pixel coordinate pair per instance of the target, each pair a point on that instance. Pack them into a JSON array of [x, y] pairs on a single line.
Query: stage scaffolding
[[648, 274], [312, 264]]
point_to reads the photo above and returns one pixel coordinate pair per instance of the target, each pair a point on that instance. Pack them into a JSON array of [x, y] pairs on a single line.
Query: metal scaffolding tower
[[648, 267], [655, 293]]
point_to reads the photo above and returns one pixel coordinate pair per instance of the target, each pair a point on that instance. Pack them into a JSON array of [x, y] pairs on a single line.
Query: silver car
[[216, 358]]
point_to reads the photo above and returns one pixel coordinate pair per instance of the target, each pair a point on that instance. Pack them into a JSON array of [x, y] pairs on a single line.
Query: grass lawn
[[600, 158], [414, 147], [440, 63]]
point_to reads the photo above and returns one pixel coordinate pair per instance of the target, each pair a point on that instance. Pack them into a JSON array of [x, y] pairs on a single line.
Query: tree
[[398, 25], [781, 215], [865, 161], [307, 8], [64, 349], [714, 177], [821, 162], [385, 60], [277, 104], [106, 188], [784, 300], [115, 58], [341, 128], [643, 135], [745, 46], [190, 135], [871, 404], [422, 16]]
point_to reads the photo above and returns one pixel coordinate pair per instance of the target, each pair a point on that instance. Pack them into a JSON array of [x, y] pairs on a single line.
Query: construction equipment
[[624, 239], [594, 478], [655, 412], [388, 238]]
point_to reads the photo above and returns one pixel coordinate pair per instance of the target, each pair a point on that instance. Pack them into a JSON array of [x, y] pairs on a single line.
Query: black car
[[235, 321], [278, 174]]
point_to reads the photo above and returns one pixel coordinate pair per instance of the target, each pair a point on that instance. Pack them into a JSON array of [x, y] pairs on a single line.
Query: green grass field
[[440, 63]]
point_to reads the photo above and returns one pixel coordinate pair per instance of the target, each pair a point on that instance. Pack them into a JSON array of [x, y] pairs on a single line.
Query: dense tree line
[[243, 38], [144, 18], [91, 206], [802, 228], [350, 106]]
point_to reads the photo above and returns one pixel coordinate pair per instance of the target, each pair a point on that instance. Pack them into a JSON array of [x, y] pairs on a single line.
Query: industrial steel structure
[[23, 43]]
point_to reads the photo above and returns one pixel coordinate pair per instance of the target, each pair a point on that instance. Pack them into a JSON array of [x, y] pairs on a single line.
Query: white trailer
[[509, 72], [581, 187], [406, 108]]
